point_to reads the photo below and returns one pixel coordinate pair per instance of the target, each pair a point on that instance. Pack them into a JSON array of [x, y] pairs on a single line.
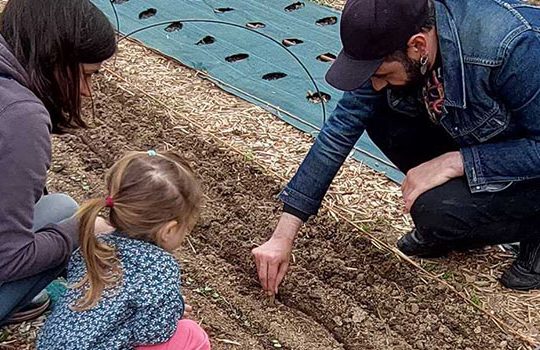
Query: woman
[[49, 50]]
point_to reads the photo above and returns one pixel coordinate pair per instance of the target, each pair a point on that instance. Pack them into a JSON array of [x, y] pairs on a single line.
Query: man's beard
[[415, 78]]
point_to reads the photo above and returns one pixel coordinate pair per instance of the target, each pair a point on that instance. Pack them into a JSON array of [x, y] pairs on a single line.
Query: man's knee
[[426, 212], [440, 211]]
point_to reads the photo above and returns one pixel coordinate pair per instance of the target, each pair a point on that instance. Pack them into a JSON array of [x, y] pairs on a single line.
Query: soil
[[341, 293]]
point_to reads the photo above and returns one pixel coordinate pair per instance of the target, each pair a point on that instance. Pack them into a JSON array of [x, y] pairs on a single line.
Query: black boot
[[524, 274], [413, 244]]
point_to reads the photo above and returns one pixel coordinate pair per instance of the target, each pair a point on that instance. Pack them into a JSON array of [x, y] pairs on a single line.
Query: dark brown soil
[[342, 292]]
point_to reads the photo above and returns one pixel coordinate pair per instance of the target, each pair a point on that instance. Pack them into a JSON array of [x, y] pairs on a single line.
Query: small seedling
[[365, 228], [248, 156], [448, 276], [428, 266], [476, 300], [204, 290], [3, 336]]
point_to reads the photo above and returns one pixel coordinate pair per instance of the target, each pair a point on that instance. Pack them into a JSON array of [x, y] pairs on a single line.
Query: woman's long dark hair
[[51, 39]]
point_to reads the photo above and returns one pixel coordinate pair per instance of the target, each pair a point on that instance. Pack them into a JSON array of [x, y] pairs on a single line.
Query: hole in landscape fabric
[[119, 2], [274, 76], [173, 27], [296, 6], [316, 97], [207, 40], [327, 21], [326, 57], [147, 13], [223, 9], [291, 42], [237, 57], [255, 25]]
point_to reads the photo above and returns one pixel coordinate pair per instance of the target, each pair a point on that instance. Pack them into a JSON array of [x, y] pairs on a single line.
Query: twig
[[191, 245], [227, 341]]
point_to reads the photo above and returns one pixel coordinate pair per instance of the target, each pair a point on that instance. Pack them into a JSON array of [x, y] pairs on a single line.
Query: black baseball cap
[[371, 30]]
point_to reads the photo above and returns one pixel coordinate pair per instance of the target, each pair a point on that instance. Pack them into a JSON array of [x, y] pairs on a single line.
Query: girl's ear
[[167, 233]]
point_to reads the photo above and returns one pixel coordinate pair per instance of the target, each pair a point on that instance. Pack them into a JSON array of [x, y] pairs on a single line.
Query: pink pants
[[189, 336]]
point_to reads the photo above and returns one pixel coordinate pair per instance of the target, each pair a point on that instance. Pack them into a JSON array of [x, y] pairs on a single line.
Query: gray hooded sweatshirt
[[25, 156]]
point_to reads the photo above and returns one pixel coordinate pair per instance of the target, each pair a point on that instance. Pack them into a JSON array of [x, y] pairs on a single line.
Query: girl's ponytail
[[100, 259]]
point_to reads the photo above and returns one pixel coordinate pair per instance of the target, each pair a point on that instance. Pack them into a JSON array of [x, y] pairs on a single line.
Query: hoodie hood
[[9, 65]]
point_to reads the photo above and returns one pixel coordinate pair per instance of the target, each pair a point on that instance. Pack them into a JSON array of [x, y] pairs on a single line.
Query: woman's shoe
[[33, 310]]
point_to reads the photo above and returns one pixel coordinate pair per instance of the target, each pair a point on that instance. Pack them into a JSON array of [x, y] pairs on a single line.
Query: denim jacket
[[490, 52]]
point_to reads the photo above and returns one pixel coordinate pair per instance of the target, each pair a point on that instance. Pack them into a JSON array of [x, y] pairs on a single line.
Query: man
[[450, 91]]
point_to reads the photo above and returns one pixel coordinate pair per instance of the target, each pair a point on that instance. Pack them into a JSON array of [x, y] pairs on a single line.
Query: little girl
[[125, 290]]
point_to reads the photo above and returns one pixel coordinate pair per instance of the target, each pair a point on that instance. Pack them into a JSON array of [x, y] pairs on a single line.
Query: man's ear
[[418, 46], [167, 231]]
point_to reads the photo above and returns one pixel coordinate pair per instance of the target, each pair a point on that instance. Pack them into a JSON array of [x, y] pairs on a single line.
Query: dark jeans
[[14, 295], [450, 215]]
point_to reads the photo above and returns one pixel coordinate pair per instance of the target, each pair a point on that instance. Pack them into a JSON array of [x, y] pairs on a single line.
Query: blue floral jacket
[[490, 52], [143, 310]]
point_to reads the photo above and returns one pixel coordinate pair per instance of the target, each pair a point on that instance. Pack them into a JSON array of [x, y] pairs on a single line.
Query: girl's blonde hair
[[147, 190]]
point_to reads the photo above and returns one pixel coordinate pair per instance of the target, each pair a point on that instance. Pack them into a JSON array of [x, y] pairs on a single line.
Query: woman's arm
[[25, 155]]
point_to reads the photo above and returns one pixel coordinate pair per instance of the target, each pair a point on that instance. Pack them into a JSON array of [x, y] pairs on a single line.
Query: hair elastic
[[109, 202], [152, 153]]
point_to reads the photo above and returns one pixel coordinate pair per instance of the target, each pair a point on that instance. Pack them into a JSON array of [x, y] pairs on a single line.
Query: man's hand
[[429, 175], [102, 226], [272, 258]]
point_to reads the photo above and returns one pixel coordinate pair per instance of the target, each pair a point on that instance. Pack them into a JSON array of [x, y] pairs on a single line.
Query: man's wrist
[[295, 212], [287, 228], [456, 163]]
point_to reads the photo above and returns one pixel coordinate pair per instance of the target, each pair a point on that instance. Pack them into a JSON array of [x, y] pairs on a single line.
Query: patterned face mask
[[433, 95]]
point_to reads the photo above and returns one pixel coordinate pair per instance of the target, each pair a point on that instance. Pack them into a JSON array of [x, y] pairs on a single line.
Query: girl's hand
[[102, 226], [188, 309]]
